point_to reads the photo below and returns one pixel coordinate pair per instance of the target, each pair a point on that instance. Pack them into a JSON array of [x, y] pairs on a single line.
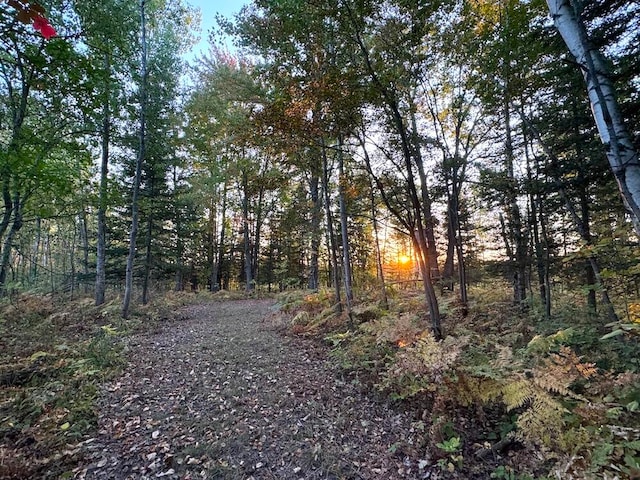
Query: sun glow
[[404, 259]]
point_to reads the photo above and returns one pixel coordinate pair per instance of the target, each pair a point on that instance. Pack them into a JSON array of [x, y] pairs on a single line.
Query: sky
[[209, 8]]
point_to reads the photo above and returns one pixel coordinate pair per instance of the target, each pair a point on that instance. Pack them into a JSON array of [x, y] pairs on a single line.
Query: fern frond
[[517, 394], [560, 370], [543, 422], [470, 390], [504, 359]]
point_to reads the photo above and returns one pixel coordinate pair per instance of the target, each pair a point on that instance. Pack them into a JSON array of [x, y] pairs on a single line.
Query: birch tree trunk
[[622, 156]]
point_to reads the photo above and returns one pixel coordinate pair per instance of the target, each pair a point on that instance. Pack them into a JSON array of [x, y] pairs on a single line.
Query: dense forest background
[[355, 149], [336, 140]]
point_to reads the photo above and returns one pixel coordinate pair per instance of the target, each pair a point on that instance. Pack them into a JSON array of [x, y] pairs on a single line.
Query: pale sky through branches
[[209, 9]]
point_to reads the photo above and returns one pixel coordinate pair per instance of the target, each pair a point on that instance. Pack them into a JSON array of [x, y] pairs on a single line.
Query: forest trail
[[220, 394]]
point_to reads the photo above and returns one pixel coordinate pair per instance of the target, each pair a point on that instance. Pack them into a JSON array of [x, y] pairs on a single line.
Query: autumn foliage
[[542, 401], [34, 14]]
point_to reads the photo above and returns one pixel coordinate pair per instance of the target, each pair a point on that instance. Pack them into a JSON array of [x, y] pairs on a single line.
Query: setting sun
[[404, 259]]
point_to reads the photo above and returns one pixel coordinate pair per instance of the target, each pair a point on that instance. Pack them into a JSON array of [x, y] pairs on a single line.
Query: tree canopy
[[350, 148]]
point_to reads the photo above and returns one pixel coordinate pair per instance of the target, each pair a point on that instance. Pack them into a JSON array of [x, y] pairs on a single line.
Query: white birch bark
[[622, 156]]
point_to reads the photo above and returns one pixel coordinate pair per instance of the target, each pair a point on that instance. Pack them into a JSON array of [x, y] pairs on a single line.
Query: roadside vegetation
[[504, 395], [55, 354]]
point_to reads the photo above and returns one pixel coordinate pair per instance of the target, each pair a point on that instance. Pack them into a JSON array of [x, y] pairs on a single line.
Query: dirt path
[[220, 395]]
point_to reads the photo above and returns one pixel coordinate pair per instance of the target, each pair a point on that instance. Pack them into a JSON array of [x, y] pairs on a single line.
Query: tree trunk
[[316, 210], [35, 255], [432, 255], [514, 216], [85, 250], [248, 274], [7, 247], [580, 227], [128, 289], [454, 214], [13, 206], [255, 257], [213, 244], [448, 268], [547, 256], [179, 277], [49, 263], [346, 247], [147, 254], [537, 222], [590, 277], [330, 231], [72, 258], [8, 208], [102, 207], [219, 263], [621, 153], [539, 251], [389, 96]]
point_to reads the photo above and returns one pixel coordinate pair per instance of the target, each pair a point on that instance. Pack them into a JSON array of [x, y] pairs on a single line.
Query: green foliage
[[450, 446], [630, 326], [425, 366], [104, 351], [508, 473]]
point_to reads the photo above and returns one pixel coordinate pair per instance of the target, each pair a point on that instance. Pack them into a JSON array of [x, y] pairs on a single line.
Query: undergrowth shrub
[[554, 386], [54, 355]]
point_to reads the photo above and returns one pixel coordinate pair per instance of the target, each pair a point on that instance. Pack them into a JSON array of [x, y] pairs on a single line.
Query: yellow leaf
[[38, 355], [65, 426]]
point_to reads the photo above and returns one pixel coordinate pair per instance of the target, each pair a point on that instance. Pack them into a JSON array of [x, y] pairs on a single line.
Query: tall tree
[[620, 149], [107, 27], [390, 83], [140, 156]]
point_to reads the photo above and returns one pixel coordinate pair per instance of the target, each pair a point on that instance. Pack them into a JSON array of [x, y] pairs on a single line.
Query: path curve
[[221, 395]]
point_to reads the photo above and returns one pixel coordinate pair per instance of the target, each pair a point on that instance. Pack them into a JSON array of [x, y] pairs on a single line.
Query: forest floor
[[221, 393]]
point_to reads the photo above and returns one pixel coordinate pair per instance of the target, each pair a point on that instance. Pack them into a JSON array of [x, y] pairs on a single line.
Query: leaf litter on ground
[[220, 394]]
